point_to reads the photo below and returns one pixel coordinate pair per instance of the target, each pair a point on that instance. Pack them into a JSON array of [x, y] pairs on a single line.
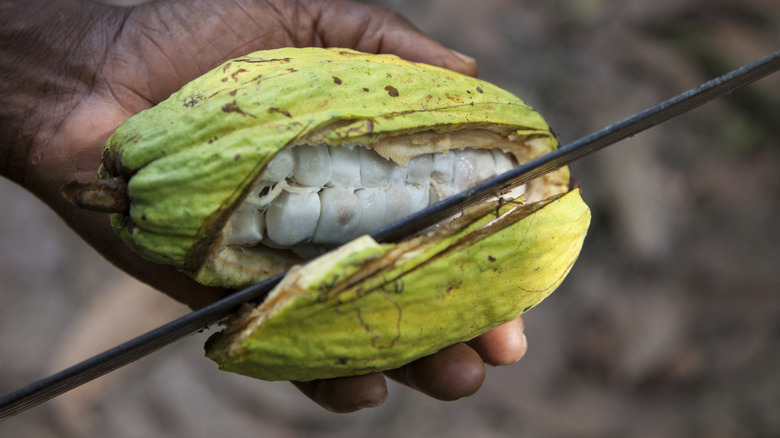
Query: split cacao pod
[[191, 162]]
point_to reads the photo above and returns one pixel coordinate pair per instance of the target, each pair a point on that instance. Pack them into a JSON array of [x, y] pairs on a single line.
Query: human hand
[[74, 71]]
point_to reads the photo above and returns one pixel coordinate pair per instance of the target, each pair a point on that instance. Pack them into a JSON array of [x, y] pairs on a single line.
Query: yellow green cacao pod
[[192, 160], [276, 157]]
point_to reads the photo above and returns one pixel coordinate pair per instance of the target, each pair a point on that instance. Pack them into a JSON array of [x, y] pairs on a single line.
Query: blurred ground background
[[668, 326]]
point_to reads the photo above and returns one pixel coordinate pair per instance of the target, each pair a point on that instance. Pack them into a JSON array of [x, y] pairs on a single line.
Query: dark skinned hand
[[74, 70]]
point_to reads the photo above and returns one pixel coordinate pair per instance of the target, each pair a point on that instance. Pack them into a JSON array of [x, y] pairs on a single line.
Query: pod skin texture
[[191, 159]]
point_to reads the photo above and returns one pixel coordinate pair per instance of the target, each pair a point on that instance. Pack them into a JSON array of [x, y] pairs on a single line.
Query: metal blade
[[141, 346]]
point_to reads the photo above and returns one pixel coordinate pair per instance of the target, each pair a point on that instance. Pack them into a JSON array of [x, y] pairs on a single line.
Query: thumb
[[376, 29]]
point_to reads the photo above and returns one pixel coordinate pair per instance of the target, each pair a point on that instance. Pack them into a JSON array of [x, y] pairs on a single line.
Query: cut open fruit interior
[[309, 199]]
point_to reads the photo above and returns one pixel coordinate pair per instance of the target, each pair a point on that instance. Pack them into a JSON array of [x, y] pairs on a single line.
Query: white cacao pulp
[[320, 196]]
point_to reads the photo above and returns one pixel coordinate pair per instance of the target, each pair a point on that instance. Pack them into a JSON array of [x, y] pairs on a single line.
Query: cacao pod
[[278, 156]]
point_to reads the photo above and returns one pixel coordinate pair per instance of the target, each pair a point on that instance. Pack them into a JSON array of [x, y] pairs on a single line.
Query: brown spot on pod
[[191, 101], [280, 111], [109, 166], [232, 107], [454, 98], [235, 74], [123, 171], [350, 53], [336, 80], [261, 60], [392, 91]]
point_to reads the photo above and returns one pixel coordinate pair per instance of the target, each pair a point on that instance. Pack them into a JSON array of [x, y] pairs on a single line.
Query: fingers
[[458, 371], [455, 372], [378, 30], [346, 394], [452, 373], [502, 345]]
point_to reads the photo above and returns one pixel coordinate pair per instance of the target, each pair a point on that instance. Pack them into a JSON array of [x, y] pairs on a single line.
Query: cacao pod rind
[[441, 292]]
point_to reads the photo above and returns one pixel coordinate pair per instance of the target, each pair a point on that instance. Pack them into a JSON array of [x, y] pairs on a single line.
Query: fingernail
[[519, 348], [465, 58], [372, 403], [468, 65], [524, 348]]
